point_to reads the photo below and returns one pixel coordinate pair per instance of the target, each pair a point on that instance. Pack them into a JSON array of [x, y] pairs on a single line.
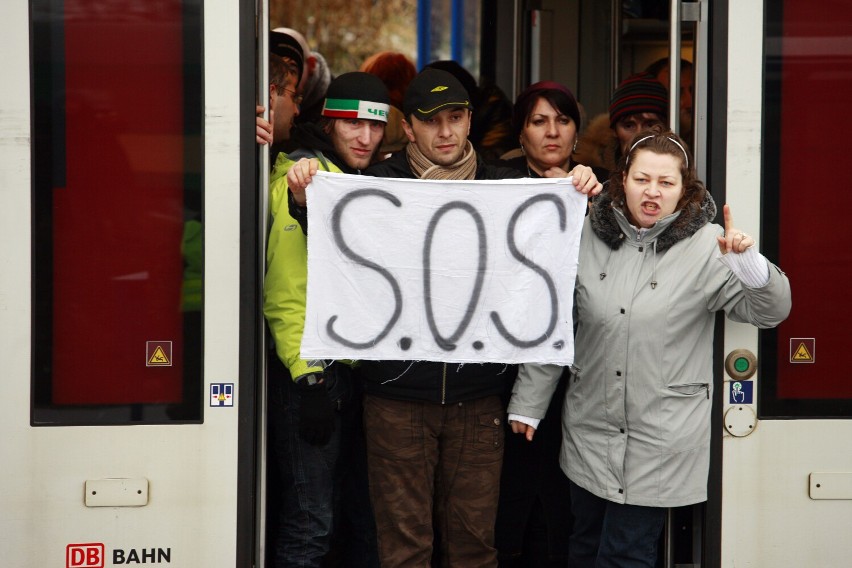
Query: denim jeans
[[309, 481], [613, 535]]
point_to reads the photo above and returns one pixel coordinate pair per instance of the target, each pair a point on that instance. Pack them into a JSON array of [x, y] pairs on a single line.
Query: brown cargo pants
[[447, 458]]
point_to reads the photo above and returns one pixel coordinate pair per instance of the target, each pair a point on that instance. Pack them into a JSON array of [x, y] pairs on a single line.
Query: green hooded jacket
[[285, 286]]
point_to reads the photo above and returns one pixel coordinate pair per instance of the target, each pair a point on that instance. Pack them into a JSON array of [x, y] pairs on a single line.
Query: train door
[[768, 137], [781, 469], [591, 47], [128, 287], [786, 490]]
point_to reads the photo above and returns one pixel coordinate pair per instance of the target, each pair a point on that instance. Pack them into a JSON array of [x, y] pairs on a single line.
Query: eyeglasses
[[297, 99]]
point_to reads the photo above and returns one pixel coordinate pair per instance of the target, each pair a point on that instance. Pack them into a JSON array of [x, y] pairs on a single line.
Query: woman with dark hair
[[534, 513], [653, 271], [546, 122]]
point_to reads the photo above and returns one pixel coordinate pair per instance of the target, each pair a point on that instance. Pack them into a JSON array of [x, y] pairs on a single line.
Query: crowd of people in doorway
[[580, 463]]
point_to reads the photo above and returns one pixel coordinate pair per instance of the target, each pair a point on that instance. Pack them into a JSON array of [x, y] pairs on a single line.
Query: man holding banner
[[313, 406], [435, 430]]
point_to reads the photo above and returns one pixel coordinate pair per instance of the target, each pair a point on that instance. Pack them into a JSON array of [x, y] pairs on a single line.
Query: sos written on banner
[[456, 271]]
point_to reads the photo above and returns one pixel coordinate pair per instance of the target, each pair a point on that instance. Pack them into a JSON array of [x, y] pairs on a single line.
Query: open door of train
[[786, 460], [770, 81], [127, 295]]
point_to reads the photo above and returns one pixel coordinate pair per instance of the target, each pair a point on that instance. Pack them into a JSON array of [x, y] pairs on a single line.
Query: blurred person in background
[[660, 70], [396, 71], [639, 103]]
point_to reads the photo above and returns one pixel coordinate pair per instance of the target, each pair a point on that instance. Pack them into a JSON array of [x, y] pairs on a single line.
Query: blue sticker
[[222, 394], [742, 392]]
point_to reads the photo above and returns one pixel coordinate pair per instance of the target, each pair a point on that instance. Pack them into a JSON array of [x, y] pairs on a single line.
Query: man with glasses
[[286, 65]]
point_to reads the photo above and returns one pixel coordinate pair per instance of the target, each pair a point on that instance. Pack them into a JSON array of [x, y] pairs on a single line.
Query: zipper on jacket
[[444, 385]]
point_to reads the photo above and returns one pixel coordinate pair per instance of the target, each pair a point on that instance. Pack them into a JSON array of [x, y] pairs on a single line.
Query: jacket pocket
[[689, 389], [489, 432], [685, 417], [488, 440], [486, 420]]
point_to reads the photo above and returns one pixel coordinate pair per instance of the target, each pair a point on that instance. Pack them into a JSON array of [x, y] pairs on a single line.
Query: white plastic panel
[[831, 485], [116, 492]]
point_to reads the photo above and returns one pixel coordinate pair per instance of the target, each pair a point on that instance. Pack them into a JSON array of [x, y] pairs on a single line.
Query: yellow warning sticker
[[159, 357], [158, 354], [802, 350]]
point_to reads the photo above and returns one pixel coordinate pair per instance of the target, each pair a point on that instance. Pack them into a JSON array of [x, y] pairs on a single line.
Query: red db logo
[[89, 555]]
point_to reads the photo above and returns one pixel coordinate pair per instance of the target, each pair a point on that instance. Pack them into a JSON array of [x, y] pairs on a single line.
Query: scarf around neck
[[424, 168]]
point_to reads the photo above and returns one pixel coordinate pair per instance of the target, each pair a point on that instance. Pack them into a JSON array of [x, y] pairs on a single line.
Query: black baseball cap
[[432, 91], [285, 45]]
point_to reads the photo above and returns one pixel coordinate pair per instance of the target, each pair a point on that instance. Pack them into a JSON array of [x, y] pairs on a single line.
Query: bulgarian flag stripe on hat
[[353, 108]]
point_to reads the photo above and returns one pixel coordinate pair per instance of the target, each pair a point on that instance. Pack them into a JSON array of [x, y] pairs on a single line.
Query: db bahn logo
[[89, 555], [93, 555]]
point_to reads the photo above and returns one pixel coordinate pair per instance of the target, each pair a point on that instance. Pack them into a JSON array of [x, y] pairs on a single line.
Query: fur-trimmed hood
[[604, 218]]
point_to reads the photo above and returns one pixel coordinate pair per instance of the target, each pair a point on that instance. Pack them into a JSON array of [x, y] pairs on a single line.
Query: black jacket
[[520, 164]]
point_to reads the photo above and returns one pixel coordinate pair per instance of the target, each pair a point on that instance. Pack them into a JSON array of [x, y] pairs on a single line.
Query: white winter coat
[[636, 417]]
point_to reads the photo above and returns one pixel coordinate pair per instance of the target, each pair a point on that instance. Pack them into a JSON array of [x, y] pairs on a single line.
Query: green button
[[741, 364]]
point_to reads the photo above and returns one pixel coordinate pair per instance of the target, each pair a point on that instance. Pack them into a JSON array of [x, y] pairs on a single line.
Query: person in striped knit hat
[[639, 103]]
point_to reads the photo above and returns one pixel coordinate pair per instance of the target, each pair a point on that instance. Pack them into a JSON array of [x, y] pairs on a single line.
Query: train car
[[132, 220]]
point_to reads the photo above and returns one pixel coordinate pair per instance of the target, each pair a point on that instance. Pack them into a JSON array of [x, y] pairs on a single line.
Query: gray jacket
[[636, 417]]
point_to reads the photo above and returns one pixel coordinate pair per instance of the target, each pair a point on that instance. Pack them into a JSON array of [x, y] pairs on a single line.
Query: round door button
[[741, 364]]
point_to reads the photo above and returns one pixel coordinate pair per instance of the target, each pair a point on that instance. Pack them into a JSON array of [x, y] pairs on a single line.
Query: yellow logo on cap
[[439, 88]]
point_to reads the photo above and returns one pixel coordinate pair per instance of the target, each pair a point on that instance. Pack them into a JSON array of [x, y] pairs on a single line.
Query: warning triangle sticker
[[802, 354], [159, 357]]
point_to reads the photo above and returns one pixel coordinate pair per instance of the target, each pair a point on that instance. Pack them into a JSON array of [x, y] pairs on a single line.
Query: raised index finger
[[729, 219]]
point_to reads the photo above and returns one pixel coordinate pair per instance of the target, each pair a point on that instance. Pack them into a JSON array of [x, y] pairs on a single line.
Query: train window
[[117, 200], [806, 204]]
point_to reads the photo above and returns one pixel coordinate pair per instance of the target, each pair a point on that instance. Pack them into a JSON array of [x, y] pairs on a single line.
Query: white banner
[[455, 271]]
